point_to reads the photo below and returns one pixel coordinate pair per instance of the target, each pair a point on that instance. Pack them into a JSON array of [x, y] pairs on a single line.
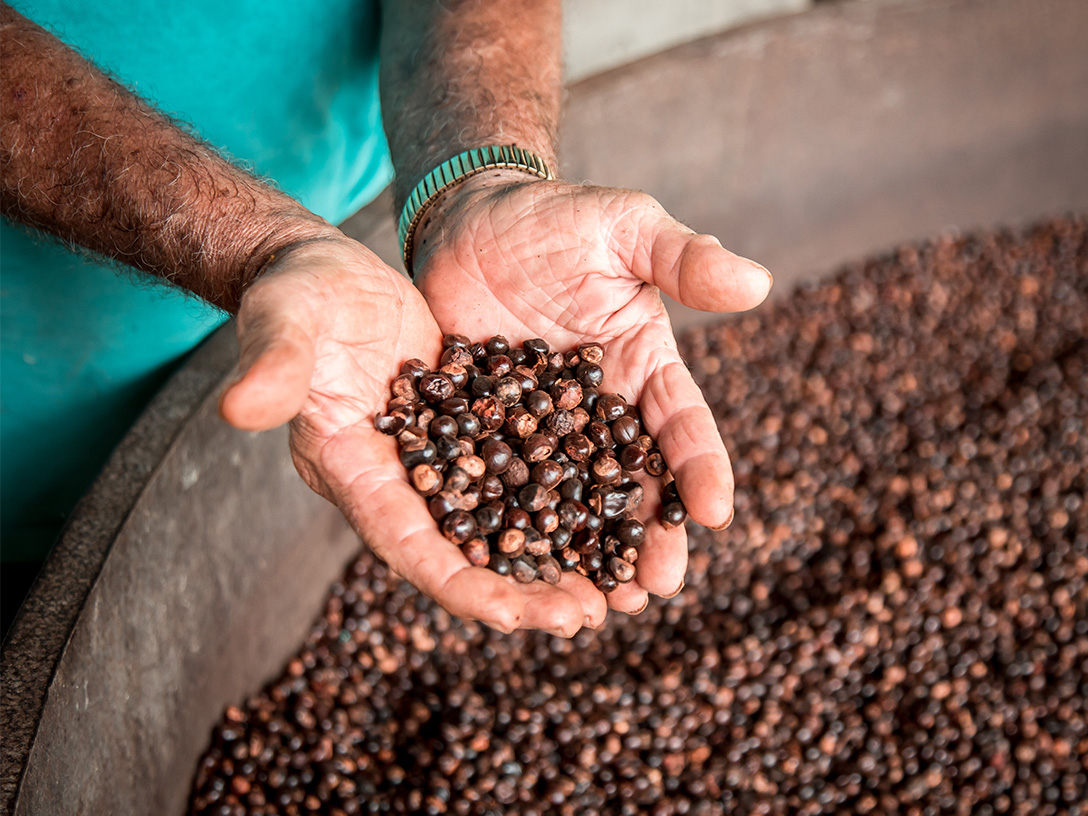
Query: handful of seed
[[527, 465]]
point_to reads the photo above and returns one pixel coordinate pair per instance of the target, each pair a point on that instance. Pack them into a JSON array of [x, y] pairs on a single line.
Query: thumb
[[691, 268], [275, 366]]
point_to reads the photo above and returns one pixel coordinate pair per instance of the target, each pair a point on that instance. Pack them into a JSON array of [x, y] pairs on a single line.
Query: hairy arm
[[86, 160], [468, 73]]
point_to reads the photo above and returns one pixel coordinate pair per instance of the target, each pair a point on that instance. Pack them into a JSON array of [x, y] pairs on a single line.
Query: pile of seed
[[508, 442], [896, 623]]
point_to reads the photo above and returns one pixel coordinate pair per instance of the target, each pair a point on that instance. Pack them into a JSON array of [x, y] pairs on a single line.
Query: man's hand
[[573, 264], [322, 331]]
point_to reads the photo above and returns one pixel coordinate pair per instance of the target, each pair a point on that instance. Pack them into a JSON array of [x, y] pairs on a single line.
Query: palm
[[322, 332], [574, 264]]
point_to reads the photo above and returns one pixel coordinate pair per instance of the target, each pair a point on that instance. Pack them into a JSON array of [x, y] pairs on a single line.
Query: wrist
[[464, 177], [269, 241]]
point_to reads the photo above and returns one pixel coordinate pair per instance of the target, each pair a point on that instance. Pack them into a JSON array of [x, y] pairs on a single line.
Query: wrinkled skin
[[328, 324], [574, 264]]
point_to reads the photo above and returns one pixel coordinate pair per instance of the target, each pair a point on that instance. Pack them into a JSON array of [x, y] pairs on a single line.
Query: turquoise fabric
[[286, 87]]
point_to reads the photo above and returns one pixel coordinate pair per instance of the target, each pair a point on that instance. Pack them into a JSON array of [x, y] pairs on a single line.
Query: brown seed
[[497, 456], [538, 447], [673, 514], [610, 407], [516, 475], [625, 430], [472, 465], [533, 497], [633, 458], [508, 391], [547, 473], [520, 422], [599, 434], [549, 570], [476, 551], [578, 447], [404, 386], [459, 526], [535, 543], [605, 470], [523, 570], [457, 373], [415, 367], [623, 571], [566, 394], [546, 520], [591, 352], [491, 412], [391, 424], [435, 387], [539, 404], [655, 464], [426, 480], [511, 542]]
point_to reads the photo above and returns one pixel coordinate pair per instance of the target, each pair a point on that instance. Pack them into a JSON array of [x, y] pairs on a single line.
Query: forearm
[[464, 74], [86, 160]]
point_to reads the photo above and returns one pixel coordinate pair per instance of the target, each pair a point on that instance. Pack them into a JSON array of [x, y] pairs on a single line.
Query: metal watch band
[[453, 171]]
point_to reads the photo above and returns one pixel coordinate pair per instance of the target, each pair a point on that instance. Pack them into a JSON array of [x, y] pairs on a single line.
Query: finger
[[663, 560], [692, 268], [630, 598], [275, 367], [594, 603], [674, 410], [393, 519], [552, 609]]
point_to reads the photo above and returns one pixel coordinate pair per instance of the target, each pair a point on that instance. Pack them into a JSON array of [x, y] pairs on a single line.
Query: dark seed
[[625, 430], [391, 424], [426, 480], [566, 394], [538, 447], [500, 564], [497, 345], [511, 542], [631, 531], [547, 473], [533, 497], [589, 375], [415, 367], [476, 551], [419, 456], [549, 569], [673, 514], [517, 474], [459, 526], [577, 447], [455, 341], [623, 571], [497, 456], [523, 570], [655, 464], [610, 407], [605, 581], [605, 470]]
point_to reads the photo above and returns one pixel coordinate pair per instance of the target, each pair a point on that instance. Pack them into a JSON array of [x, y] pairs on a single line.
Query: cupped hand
[[573, 264], [322, 333]]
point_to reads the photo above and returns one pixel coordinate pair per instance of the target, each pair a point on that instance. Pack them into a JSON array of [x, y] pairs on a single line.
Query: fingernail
[[646, 603], [728, 521], [679, 589]]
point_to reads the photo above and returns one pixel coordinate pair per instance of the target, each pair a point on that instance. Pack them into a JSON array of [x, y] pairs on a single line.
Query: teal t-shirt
[[289, 88]]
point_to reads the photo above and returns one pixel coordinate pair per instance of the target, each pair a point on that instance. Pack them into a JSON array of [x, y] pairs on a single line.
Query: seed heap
[[897, 622], [527, 465]]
